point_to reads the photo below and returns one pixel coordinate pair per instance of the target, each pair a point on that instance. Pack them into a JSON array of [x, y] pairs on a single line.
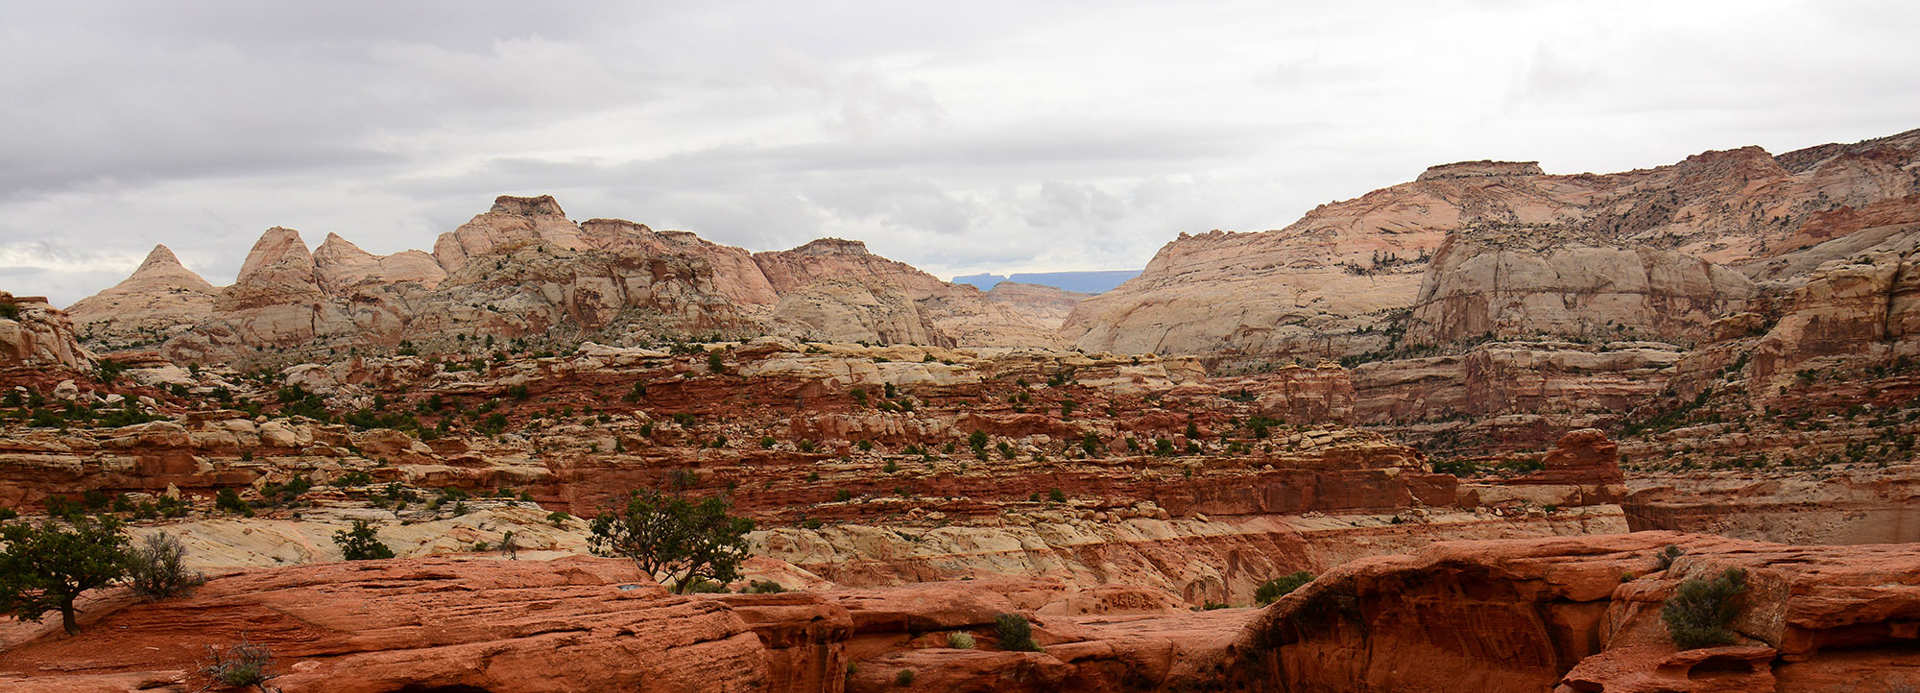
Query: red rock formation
[[567, 625], [1582, 613]]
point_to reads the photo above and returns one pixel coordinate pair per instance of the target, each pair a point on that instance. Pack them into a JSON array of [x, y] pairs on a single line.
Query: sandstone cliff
[[33, 333], [1330, 285]]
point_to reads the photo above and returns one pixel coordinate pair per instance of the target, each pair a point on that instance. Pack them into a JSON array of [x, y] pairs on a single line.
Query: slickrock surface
[[1582, 614], [569, 625]]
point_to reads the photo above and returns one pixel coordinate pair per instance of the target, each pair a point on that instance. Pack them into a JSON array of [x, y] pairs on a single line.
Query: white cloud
[[1009, 136]]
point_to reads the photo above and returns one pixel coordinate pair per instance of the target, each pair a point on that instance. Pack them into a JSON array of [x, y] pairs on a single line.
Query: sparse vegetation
[[156, 569], [362, 543], [1701, 609], [1272, 590], [1666, 557], [245, 664], [1014, 633]]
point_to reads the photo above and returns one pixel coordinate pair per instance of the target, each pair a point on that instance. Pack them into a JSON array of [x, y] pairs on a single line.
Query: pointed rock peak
[[832, 246], [279, 246], [334, 244], [542, 206], [161, 257], [163, 269], [279, 236]]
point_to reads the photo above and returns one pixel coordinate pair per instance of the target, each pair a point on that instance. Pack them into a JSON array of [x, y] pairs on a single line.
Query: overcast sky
[[981, 136]]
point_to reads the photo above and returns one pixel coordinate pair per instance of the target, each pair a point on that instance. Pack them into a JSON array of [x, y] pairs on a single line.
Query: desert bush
[[228, 500], [960, 640], [156, 569], [1276, 588], [1666, 557], [904, 678], [1014, 633], [245, 664], [1698, 613], [765, 587], [362, 543]]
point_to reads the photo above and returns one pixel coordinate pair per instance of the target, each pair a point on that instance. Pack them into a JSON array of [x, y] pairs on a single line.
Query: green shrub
[[1276, 588], [361, 543], [1698, 613], [1014, 633], [765, 587], [228, 500], [960, 640], [904, 678]]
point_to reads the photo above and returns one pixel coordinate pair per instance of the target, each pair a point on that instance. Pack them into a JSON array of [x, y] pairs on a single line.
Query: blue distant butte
[[1084, 282]]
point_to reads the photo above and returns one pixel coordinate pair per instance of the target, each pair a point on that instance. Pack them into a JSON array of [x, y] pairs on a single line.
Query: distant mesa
[[1083, 282]]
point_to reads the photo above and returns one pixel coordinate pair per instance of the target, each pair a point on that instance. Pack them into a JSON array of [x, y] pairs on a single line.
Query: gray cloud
[[1011, 136]]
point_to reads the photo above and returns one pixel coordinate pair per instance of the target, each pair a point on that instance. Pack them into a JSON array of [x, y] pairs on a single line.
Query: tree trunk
[[67, 619]]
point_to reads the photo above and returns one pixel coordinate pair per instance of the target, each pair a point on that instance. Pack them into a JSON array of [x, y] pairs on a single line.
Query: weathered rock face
[[1861, 309], [159, 299], [522, 271], [1582, 613], [1520, 283], [437, 624], [1561, 386], [33, 333], [1328, 285], [512, 222], [1867, 504], [340, 266]]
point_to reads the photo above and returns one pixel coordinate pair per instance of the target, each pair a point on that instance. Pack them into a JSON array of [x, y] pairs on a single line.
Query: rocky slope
[[524, 271]]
